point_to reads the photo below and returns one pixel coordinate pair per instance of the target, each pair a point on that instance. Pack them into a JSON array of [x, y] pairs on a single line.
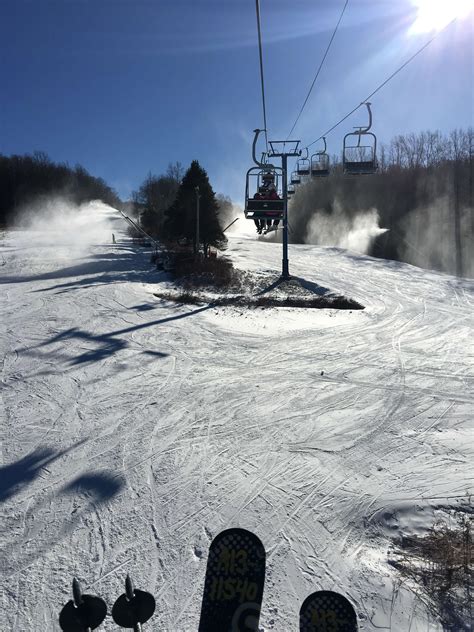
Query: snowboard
[[327, 611], [233, 588]]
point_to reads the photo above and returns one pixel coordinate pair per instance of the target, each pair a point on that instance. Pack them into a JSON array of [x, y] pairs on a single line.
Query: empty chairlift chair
[[360, 158], [303, 167], [320, 163], [295, 178]]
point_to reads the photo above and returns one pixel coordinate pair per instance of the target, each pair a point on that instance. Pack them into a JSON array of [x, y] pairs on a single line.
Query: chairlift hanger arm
[[262, 164], [364, 130]]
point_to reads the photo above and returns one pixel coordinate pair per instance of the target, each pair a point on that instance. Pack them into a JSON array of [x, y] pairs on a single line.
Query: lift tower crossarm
[[294, 152]]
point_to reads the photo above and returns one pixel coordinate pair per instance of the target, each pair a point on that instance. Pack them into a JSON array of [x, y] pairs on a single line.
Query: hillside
[[136, 429]]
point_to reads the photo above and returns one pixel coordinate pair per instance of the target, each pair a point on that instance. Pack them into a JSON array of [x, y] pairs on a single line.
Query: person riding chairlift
[[260, 195], [267, 191], [273, 195]]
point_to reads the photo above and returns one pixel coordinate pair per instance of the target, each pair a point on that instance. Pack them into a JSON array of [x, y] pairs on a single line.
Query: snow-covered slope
[[134, 430]]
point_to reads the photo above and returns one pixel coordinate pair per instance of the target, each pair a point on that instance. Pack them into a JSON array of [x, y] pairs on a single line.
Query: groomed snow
[[134, 430]]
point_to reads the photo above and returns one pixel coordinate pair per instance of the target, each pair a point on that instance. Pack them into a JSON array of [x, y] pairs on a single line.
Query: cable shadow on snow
[[128, 265], [16, 476], [155, 354], [136, 276], [145, 307]]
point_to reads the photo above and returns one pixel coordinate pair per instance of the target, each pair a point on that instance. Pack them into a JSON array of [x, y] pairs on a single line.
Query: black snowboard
[[327, 611], [233, 588]]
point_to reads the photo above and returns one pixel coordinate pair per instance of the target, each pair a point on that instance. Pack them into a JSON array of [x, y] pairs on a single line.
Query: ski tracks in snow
[[298, 425]]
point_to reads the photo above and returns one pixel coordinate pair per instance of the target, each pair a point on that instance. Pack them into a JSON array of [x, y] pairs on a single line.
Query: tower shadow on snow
[[108, 344], [130, 264], [294, 281]]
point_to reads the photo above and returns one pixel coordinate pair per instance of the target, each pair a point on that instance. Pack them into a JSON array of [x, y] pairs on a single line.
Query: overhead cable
[[384, 83], [257, 6], [319, 69]]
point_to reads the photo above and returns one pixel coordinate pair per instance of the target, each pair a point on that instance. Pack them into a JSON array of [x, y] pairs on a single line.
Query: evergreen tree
[[153, 198], [181, 216]]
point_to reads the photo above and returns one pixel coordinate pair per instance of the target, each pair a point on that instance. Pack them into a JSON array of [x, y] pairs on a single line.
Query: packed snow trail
[[136, 429]]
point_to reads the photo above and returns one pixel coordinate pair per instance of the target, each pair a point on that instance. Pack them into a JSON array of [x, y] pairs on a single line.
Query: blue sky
[[124, 87]]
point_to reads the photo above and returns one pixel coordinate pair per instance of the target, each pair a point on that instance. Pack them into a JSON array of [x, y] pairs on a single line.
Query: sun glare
[[434, 15]]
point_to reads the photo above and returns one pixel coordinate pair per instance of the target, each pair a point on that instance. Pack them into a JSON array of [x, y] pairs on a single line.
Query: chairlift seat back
[[359, 159], [302, 167], [360, 168], [320, 165], [261, 209]]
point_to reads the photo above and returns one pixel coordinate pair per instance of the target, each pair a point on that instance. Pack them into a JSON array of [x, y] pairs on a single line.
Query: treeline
[[165, 205], [167, 208], [422, 192], [24, 179]]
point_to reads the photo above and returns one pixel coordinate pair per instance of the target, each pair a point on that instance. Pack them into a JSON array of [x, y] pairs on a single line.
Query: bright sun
[[433, 15]]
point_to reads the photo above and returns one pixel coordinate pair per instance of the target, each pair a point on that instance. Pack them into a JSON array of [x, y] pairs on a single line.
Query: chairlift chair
[[303, 167], [320, 163], [258, 208], [360, 158], [295, 178]]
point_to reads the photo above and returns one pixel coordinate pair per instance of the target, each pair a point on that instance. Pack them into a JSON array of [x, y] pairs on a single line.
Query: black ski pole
[[133, 608], [83, 613]]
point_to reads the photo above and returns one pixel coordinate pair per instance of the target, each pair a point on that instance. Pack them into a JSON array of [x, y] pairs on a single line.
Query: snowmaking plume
[[68, 227], [426, 214], [428, 238], [341, 230], [242, 226]]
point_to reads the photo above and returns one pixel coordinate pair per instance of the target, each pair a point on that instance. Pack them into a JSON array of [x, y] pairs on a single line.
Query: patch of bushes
[[205, 272], [245, 300], [199, 278], [440, 564]]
